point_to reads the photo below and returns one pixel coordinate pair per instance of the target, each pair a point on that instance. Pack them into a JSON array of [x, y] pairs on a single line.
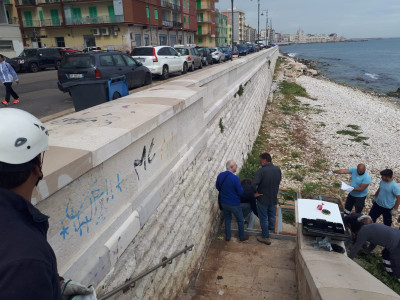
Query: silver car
[[192, 55], [217, 54]]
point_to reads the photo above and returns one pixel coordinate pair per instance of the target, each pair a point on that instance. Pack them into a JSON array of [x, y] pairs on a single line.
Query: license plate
[[21, 61], [75, 75], [142, 59]]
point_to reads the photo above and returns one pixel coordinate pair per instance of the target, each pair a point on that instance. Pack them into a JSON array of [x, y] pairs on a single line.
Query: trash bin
[[88, 93], [117, 87]]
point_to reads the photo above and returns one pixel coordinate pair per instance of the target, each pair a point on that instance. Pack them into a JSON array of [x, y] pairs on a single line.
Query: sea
[[371, 65]]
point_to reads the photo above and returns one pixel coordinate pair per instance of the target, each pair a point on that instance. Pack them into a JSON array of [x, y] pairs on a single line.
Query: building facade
[[10, 36], [250, 34], [111, 24], [221, 29], [206, 23], [238, 33]]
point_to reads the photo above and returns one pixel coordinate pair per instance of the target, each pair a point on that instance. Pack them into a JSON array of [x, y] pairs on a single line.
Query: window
[[55, 20], [163, 39], [41, 15], [164, 51], [211, 40], [138, 40], [148, 12], [146, 40], [93, 12], [183, 3], [156, 14], [106, 60], [129, 61], [173, 52], [60, 41], [6, 45], [200, 39], [184, 20], [119, 61]]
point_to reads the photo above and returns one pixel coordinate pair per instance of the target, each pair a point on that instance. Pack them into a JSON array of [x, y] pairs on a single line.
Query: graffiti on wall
[[142, 161]]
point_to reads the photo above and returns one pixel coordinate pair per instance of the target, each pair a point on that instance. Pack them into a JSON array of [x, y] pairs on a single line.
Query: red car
[[66, 51]]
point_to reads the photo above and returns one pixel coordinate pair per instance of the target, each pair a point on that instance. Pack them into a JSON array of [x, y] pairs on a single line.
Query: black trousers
[[9, 90], [357, 202], [377, 210]]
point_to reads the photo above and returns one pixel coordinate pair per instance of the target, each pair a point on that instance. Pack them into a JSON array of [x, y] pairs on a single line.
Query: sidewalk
[[234, 270]]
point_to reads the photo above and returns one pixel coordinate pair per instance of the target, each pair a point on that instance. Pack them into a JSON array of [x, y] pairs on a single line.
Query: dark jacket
[[230, 189], [28, 266], [266, 182], [248, 197]]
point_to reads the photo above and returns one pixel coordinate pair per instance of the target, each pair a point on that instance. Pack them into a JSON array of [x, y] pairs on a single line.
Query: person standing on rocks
[[387, 198], [266, 182], [230, 190], [360, 180]]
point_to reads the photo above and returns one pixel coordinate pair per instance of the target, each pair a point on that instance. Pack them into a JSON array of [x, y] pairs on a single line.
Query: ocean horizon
[[371, 65]]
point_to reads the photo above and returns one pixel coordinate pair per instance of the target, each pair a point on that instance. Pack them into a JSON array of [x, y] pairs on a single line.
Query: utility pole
[[232, 30], [266, 25], [258, 17]]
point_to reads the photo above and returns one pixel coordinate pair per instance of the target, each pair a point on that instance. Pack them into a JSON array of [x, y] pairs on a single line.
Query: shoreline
[[313, 65]]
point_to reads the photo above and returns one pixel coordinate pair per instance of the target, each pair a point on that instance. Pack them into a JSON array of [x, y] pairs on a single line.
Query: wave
[[292, 54], [372, 75]]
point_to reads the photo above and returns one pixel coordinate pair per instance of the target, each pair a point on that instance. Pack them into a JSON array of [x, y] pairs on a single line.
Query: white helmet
[[22, 136]]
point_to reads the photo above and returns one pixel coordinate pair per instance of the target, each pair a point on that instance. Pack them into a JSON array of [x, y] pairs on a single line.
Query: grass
[[355, 133], [355, 127], [290, 88], [348, 132], [311, 188], [373, 264], [221, 126]]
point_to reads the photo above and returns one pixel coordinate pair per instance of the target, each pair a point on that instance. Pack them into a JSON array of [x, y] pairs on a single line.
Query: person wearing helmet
[[28, 265]]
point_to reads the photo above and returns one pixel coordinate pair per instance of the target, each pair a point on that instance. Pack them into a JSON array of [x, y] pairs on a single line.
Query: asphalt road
[[38, 94]]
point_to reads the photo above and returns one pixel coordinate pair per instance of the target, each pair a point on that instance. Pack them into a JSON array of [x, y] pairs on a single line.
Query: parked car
[[235, 51], [250, 47], [92, 49], [243, 49], [217, 54], [102, 65], [161, 60], [13, 63], [261, 45], [256, 47], [66, 51], [227, 51], [35, 59], [206, 55], [192, 56]]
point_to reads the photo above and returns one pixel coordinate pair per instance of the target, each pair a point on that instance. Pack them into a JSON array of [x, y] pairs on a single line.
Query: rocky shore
[[352, 126]]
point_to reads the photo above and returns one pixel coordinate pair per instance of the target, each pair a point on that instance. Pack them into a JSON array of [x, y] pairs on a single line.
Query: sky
[[348, 18]]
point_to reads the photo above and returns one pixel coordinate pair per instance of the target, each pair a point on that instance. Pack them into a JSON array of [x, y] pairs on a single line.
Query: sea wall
[[131, 181]]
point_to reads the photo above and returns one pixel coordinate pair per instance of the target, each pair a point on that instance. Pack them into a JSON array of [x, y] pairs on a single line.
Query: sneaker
[[4, 102], [227, 239], [245, 238], [263, 240], [16, 101]]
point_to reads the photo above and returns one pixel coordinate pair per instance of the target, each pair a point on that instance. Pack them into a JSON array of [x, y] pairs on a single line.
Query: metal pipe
[[164, 262]]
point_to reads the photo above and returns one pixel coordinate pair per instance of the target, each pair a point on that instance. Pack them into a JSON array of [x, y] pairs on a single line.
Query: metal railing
[[167, 4], [131, 283], [94, 20], [47, 1], [25, 2]]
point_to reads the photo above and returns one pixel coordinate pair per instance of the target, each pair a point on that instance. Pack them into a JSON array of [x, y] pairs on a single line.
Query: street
[[38, 94]]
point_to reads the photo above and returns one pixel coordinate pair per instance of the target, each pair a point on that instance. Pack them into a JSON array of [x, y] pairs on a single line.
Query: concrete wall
[[131, 181], [11, 33]]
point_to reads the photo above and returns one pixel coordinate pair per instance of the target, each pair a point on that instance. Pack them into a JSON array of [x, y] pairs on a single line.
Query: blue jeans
[[266, 214], [228, 210]]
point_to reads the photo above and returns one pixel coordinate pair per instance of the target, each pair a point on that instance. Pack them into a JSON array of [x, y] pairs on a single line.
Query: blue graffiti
[[92, 208]]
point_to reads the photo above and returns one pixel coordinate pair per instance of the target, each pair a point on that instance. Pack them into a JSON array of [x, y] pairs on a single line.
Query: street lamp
[[266, 24], [232, 30], [258, 19]]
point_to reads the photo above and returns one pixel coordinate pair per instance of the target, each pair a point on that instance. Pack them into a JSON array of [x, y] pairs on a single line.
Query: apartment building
[[238, 33], [10, 35], [221, 29], [250, 34], [111, 24], [206, 23]]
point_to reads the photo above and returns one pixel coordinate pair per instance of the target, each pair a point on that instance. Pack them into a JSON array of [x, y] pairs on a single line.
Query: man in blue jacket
[[28, 266], [230, 190], [7, 76]]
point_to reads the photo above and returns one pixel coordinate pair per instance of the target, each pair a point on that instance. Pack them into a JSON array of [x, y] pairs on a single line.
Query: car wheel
[[57, 65], [219, 60], [33, 67], [185, 68], [206, 64], [165, 73], [212, 62], [116, 95], [201, 65], [192, 67], [147, 79]]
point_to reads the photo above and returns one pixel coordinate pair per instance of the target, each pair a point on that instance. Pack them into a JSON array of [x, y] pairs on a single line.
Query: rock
[[395, 94], [360, 78]]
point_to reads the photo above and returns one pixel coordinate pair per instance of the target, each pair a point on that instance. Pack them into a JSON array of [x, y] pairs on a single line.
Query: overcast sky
[[350, 18]]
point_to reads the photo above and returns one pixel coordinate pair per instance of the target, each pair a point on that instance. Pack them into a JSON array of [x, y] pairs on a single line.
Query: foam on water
[[292, 54], [372, 76]]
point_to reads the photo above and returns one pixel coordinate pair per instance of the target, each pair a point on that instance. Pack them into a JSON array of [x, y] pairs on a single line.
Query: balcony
[[168, 23], [95, 20], [44, 2], [50, 22], [204, 33], [25, 2], [204, 20], [30, 23], [204, 7], [165, 3]]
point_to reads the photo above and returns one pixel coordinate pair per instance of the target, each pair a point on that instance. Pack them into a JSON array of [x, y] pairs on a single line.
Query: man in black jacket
[[266, 182], [28, 266]]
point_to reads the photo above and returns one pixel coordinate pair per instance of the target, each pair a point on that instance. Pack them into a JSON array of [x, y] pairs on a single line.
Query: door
[[173, 40], [138, 73], [164, 58], [176, 60], [43, 57], [121, 68], [76, 15], [55, 20], [111, 13], [89, 40], [28, 18], [93, 14], [107, 67]]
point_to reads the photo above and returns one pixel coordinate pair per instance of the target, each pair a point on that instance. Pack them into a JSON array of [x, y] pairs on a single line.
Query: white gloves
[[71, 288]]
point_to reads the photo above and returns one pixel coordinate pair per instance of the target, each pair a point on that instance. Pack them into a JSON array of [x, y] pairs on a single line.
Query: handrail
[[131, 283]]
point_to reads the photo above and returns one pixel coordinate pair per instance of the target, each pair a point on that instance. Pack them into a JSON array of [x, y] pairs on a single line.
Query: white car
[[217, 54], [161, 60]]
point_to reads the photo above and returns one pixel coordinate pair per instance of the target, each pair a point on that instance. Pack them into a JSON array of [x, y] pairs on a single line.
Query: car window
[[182, 51], [129, 60], [148, 51], [173, 52], [77, 61], [164, 51], [119, 61], [106, 60], [213, 49]]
